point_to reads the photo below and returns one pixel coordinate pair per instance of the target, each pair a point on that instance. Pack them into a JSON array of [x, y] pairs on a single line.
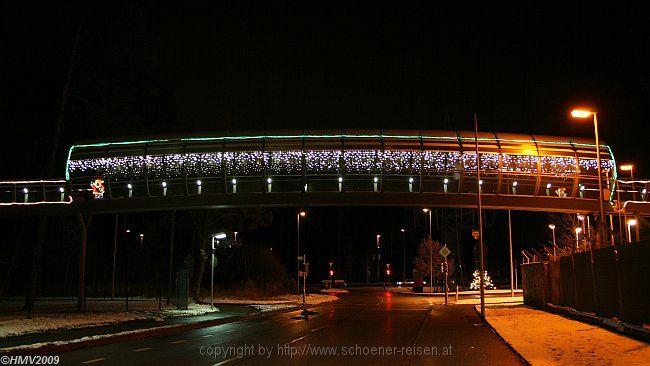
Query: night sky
[[149, 68]]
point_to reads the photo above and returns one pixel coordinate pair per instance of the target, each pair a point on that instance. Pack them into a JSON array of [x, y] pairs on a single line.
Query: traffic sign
[[444, 252]]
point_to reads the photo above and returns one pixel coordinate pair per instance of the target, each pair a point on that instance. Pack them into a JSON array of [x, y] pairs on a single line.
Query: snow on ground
[[310, 299], [335, 291], [48, 321], [271, 307], [493, 300], [59, 314], [547, 339]]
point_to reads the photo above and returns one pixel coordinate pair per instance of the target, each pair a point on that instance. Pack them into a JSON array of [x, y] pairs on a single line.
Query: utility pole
[[480, 221]]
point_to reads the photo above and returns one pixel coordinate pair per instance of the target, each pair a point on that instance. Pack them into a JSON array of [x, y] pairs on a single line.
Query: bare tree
[[423, 260]]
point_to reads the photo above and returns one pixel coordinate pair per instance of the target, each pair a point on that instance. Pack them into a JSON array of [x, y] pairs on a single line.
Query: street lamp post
[[578, 231], [552, 227], [578, 113], [480, 220], [298, 216], [403, 255], [630, 223], [215, 238], [378, 237], [630, 168], [427, 211]]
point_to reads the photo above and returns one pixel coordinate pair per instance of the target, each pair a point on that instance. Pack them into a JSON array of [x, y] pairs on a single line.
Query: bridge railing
[[25, 192]]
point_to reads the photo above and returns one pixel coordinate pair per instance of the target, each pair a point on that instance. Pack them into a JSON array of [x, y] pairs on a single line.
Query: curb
[[53, 348], [513, 349], [625, 329]]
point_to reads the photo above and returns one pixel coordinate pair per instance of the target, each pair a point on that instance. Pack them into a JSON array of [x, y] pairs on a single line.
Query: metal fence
[[611, 284]]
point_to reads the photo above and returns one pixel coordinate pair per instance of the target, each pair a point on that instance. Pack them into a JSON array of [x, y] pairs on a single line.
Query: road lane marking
[[177, 342], [229, 331], [206, 336], [226, 361], [319, 328], [297, 339], [142, 349], [93, 360]]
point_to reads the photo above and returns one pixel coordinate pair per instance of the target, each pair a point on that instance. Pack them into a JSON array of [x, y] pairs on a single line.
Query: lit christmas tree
[[476, 283]]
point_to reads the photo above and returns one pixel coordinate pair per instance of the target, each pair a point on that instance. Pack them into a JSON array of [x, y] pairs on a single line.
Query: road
[[366, 327]]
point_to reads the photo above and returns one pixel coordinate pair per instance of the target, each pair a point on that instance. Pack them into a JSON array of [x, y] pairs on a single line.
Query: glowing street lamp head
[[302, 213], [129, 186], [631, 222], [578, 230], [411, 180], [425, 210], [548, 185], [627, 167], [581, 113], [551, 226], [219, 236], [164, 184], [446, 181], [402, 230], [269, 180], [61, 189], [514, 184], [375, 179], [198, 182], [581, 217], [234, 181], [340, 179], [25, 190]]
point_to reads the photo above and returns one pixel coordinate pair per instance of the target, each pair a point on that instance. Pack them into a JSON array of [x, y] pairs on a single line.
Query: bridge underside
[[244, 200]]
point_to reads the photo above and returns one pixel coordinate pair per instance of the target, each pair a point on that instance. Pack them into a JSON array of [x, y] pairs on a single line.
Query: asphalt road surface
[[366, 327]]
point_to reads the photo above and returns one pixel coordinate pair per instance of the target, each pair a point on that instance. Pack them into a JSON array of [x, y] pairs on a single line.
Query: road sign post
[[444, 252]]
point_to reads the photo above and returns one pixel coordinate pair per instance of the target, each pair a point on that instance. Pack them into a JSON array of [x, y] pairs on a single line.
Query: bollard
[[456, 293]]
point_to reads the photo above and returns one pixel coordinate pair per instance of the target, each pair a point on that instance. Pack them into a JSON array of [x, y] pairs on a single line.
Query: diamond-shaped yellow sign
[[444, 252]]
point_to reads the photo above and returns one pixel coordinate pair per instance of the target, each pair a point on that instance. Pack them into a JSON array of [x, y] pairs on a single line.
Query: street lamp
[[298, 216], [427, 211], [403, 254], [630, 223], [215, 238], [578, 231], [552, 227], [630, 168], [580, 113], [235, 232], [378, 237], [141, 238]]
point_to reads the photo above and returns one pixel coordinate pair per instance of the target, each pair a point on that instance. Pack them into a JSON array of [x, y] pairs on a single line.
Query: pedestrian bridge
[[308, 168]]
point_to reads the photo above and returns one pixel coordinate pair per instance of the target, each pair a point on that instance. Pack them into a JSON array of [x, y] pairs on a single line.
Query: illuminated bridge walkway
[[382, 168]]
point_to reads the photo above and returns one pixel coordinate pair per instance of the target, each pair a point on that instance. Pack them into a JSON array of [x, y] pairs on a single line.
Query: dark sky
[[148, 68]]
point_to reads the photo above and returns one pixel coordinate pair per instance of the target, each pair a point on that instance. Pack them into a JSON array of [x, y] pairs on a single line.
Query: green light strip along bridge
[[311, 168]]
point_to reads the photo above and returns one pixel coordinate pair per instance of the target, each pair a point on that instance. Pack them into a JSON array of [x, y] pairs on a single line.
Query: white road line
[[206, 336], [142, 349], [177, 342], [93, 361], [297, 339], [226, 361], [229, 331], [319, 328]]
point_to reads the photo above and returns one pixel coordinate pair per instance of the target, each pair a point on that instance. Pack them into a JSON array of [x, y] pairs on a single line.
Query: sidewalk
[[425, 292], [543, 338]]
